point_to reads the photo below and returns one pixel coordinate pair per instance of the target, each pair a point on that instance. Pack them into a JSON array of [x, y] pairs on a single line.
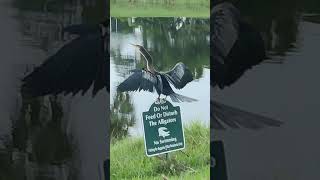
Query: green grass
[[128, 159], [194, 8]]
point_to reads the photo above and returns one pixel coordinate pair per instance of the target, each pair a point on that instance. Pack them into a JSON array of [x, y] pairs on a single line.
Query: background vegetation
[[160, 8]]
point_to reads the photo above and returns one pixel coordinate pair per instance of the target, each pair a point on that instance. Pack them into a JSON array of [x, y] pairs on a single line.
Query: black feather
[[74, 68]]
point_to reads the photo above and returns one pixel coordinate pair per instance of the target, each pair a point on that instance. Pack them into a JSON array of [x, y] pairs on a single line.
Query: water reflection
[[279, 28], [39, 147], [121, 115], [169, 40], [38, 142]]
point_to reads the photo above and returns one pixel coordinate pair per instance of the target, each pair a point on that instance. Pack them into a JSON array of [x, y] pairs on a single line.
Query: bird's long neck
[[148, 59], [150, 67]]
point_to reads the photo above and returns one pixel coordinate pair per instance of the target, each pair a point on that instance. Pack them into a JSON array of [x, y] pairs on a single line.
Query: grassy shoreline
[[128, 159], [141, 9]]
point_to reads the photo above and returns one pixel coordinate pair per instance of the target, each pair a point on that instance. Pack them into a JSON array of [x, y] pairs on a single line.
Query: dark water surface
[[49, 137], [288, 91]]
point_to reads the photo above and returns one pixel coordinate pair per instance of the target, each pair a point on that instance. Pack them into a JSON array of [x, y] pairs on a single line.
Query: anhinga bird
[[236, 47], [76, 66], [149, 79]]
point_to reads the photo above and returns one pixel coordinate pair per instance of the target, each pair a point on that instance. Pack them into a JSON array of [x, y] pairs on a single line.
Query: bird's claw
[[160, 101]]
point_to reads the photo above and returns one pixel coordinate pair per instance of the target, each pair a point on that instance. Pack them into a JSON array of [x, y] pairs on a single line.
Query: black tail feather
[[180, 98], [236, 118]]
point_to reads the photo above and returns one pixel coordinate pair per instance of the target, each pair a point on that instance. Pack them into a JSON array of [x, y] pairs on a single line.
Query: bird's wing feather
[[139, 80], [75, 67], [236, 118], [179, 76], [225, 29]]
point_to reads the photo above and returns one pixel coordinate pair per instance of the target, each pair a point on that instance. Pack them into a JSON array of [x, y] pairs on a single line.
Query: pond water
[[169, 41], [288, 91]]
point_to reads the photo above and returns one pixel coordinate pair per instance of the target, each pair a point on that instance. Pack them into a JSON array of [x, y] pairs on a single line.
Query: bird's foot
[[160, 100], [163, 100]]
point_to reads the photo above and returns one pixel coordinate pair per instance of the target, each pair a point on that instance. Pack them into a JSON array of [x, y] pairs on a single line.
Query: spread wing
[[139, 80], [223, 115], [224, 33], [179, 76], [75, 67]]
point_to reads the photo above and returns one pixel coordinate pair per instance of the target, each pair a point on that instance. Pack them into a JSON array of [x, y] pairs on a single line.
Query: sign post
[[219, 168], [163, 131]]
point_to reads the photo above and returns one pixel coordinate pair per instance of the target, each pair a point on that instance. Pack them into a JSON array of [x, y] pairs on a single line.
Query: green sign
[[163, 130]]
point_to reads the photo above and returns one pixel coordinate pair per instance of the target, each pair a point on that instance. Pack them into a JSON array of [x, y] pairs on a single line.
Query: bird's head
[[144, 53], [139, 47], [136, 45]]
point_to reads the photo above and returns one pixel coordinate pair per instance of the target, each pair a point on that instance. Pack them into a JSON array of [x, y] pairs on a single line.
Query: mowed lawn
[[129, 161], [140, 8]]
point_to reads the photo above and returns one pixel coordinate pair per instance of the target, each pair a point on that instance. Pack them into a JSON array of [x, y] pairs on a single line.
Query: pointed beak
[[135, 45]]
